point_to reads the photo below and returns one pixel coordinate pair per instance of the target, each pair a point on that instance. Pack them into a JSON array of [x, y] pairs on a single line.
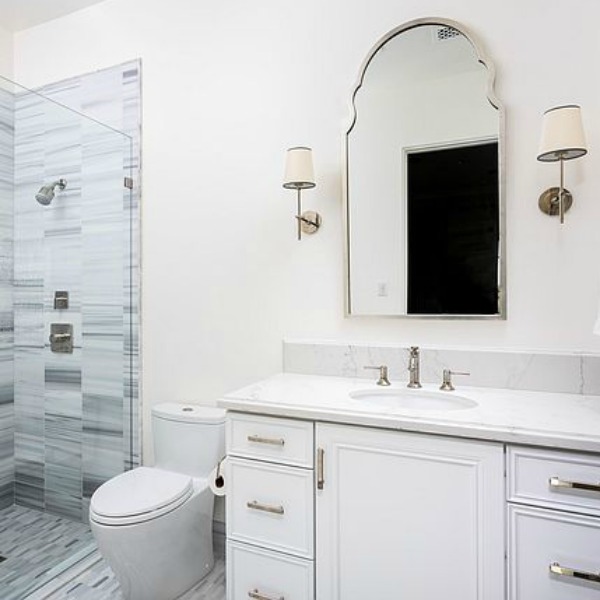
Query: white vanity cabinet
[[335, 496], [404, 515], [367, 513], [553, 525], [270, 508]]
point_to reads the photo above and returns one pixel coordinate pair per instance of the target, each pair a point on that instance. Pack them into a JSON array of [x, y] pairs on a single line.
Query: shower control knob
[[61, 338]]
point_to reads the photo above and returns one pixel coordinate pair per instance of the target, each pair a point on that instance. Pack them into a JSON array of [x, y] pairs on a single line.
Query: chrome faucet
[[383, 375], [413, 368]]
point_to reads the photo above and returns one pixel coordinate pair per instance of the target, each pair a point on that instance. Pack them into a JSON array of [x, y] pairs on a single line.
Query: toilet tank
[[188, 439]]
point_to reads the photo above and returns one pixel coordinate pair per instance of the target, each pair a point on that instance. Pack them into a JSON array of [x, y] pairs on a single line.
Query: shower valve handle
[[59, 337]]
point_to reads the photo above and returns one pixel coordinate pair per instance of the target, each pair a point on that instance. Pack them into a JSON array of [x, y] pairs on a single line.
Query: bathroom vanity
[[341, 490]]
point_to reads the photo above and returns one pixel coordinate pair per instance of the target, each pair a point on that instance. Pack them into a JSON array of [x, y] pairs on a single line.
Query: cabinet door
[[553, 555], [408, 516]]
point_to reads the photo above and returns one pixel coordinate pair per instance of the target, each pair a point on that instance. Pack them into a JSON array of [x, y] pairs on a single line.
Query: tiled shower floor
[[34, 545]]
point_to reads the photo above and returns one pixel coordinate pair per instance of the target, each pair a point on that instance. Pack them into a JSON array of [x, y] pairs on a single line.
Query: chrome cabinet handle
[[568, 572], [276, 510], [556, 482], [257, 439], [320, 468], [256, 595]]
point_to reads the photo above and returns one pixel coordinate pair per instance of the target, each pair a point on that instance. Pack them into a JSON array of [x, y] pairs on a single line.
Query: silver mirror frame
[[485, 60]]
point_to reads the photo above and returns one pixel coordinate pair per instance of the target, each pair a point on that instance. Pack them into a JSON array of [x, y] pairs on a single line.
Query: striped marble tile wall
[[6, 298], [76, 414]]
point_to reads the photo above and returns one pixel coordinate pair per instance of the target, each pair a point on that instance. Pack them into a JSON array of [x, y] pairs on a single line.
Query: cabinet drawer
[[285, 441], [264, 575], [271, 505], [539, 538], [554, 479]]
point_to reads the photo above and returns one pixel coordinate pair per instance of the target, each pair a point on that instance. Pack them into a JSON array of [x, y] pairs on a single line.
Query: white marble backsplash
[[574, 373]]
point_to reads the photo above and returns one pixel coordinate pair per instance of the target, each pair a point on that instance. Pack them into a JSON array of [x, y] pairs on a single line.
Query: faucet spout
[[414, 368]]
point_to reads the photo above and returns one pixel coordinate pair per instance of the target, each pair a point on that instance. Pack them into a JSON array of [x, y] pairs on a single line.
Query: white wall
[[228, 86], [6, 53]]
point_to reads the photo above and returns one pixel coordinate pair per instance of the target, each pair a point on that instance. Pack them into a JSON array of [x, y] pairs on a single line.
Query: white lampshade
[[299, 171], [562, 134]]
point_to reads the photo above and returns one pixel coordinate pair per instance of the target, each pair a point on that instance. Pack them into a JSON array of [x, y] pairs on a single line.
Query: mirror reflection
[[423, 180]]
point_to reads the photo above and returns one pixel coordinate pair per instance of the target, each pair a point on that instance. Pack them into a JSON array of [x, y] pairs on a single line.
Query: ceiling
[[21, 14]]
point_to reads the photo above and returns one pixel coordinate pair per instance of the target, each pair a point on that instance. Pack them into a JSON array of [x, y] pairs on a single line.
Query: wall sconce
[[562, 139], [300, 175]]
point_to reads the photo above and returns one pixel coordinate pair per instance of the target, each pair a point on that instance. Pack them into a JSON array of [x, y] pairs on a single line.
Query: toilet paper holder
[[219, 479]]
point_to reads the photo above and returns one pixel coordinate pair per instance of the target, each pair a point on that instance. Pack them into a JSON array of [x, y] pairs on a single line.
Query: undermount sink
[[414, 399]]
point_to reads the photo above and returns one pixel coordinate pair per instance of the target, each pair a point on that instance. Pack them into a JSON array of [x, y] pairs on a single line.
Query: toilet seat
[[139, 495]]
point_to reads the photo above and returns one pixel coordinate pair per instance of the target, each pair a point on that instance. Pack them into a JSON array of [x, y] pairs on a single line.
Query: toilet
[[153, 525]]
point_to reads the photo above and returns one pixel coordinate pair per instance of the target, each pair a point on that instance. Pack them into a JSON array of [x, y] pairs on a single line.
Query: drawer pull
[[320, 469], [556, 482], [276, 510], [256, 595], [567, 572], [257, 439]]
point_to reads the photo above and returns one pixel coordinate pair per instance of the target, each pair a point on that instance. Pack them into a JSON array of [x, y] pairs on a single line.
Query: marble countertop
[[567, 421]]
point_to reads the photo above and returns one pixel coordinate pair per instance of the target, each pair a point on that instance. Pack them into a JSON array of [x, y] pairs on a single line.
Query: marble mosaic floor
[[97, 582], [34, 545], [37, 546]]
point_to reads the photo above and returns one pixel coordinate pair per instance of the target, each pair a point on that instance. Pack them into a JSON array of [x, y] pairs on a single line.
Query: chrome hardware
[[309, 221], [320, 468], [447, 379], [128, 183], [556, 482], [256, 595], [276, 510], [61, 300], [568, 572], [257, 439], [413, 368], [383, 374], [61, 338]]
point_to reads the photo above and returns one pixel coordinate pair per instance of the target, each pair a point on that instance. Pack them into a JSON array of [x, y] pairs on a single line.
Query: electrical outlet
[[382, 289]]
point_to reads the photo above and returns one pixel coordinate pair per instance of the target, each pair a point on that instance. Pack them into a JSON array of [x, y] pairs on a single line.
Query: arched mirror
[[424, 201]]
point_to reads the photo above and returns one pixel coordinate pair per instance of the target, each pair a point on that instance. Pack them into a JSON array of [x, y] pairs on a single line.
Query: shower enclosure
[[68, 313]]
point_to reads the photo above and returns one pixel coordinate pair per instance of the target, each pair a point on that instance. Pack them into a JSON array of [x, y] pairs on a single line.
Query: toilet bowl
[[153, 525]]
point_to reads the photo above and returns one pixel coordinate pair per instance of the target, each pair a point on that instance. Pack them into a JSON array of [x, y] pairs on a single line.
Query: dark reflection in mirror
[[453, 230]]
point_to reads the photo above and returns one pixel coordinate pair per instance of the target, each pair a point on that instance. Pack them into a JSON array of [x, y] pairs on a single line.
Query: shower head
[[46, 193]]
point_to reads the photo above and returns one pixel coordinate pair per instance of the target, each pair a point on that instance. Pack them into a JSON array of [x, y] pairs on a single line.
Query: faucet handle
[[383, 374], [447, 379]]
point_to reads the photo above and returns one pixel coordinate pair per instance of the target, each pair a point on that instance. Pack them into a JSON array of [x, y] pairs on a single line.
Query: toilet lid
[[139, 492]]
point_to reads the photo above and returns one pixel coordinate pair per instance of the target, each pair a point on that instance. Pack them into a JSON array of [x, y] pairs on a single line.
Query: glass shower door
[[68, 289]]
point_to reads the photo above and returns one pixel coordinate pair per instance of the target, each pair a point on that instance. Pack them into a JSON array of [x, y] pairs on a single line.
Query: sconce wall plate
[[549, 201], [310, 221]]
